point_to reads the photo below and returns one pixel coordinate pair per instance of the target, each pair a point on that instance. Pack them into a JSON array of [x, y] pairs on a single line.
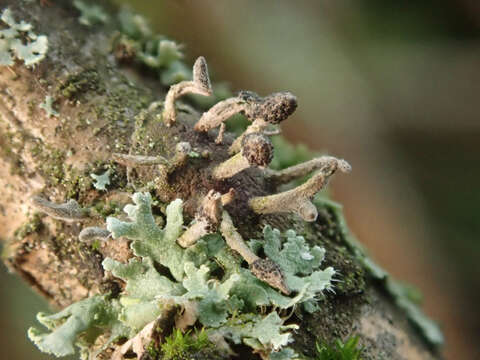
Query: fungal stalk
[[182, 150], [221, 132], [243, 103], [272, 109], [206, 221], [279, 177], [228, 197], [200, 85], [69, 211], [298, 200], [138, 160], [257, 151], [264, 269]]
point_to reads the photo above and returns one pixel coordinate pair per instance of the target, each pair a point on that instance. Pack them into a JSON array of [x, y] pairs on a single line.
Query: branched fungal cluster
[[283, 270], [254, 149]]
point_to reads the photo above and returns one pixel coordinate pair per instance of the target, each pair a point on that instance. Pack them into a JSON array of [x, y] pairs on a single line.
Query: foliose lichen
[[101, 181], [18, 41], [227, 306], [47, 105], [90, 14], [155, 51]]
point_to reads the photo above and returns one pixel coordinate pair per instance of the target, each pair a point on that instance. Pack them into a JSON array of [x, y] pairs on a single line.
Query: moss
[[11, 144], [50, 163], [16, 163], [180, 346], [69, 250], [78, 85], [96, 245], [76, 184], [31, 226], [338, 350], [104, 209]]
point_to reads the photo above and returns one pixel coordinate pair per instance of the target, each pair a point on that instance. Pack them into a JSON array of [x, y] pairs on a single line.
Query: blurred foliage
[[340, 351], [20, 306]]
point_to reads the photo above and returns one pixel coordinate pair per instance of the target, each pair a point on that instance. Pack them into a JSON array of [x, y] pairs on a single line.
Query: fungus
[[272, 109], [221, 132], [138, 160], [182, 152], [228, 306], [200, 85], [228, 197], [264, 269], [90, 14], [91, 233], [257, 151], [272, 132], [298, 200], [206, 221], [298, 171], [47, 105], [69, 211], [243, 103]]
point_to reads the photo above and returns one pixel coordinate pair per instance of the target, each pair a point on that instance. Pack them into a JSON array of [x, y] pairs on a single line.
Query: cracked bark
[[104, 109]]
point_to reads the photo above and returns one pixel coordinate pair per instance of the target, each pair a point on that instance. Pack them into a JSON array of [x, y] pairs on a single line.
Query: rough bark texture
[[104, 109]]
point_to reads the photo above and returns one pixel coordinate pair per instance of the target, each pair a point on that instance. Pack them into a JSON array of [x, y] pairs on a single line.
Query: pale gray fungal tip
[[199, 85], [269, 272], [92, 233], [344, 166], [200, 74]]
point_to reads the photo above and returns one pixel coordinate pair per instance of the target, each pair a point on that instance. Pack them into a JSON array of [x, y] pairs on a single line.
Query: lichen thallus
[[251, 149]]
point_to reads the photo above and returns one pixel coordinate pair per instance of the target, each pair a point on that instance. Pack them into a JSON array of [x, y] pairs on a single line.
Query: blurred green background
[[391, 86]]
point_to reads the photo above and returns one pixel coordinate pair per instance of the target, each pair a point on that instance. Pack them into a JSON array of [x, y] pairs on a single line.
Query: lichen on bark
[[105, 106]]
